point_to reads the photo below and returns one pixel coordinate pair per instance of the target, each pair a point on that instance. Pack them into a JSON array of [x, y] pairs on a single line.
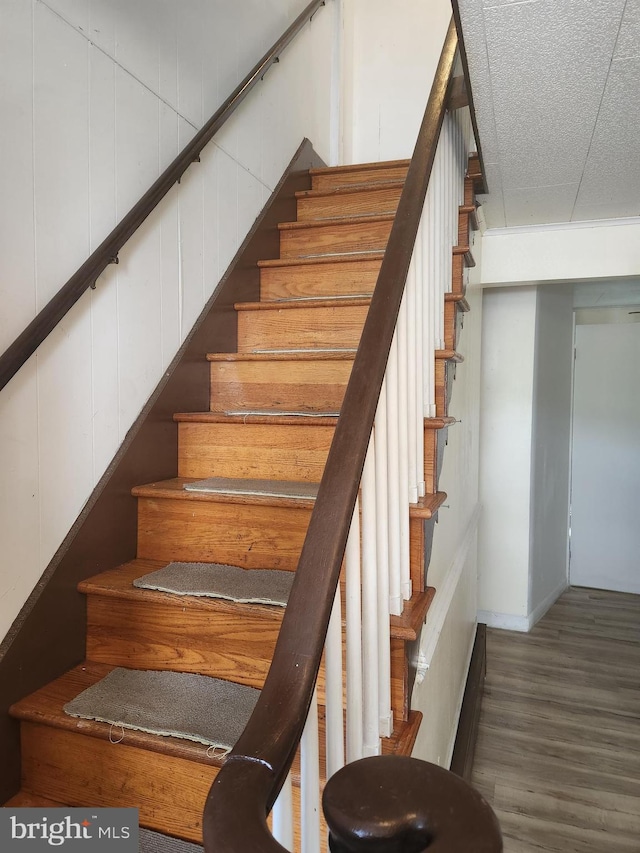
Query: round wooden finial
[[396, 804]]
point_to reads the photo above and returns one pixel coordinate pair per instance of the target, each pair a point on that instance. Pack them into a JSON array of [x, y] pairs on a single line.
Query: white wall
[[550, 450], [390, 54], [446, 641], [568, 252], [508, 346], [99, 97]]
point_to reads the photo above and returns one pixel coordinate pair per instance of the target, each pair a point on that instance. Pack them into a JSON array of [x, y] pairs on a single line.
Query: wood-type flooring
[[558, 751]]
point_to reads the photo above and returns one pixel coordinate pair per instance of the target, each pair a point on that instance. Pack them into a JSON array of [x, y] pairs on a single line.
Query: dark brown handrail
[[245, 789], [107, 252]]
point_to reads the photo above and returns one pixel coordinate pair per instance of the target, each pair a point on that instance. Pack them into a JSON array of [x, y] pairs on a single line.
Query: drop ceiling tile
[[628, 43], [539, 204], [615, 209], [472, 19], [612, 169], [545, 95]]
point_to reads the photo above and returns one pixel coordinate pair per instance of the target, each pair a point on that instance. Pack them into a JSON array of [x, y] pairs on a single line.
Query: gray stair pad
[[155, 842], [175, 704], [217, 580]]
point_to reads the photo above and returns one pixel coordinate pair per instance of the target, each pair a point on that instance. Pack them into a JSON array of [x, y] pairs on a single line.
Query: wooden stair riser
[[323, 239], [368, 200], [469, 192], [458, 267], [301, 327], [317, 385], [268, 451], [253, 536], [453, 322], [431, 460], [265, 451], [441, 388], [464, 229], [319, 279], [80, 770], [374, 173], [138, 635]]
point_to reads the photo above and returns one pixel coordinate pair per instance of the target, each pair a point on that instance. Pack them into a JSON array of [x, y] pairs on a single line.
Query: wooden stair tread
[[350, 189], [306, 225], [289, 419], [465, 251], [174, 489], [407, 626], [45, 707], [304, 302], [472, 212], [118, 584], [285, 355], [448, 355], [427, 506], [344, 257], [459, 299], [359, 167], [439, 423]]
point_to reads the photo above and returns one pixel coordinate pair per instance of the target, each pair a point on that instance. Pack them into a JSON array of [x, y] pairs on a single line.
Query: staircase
[[273, 409]]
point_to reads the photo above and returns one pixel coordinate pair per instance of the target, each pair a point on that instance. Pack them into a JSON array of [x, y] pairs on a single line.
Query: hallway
[[558, 753]]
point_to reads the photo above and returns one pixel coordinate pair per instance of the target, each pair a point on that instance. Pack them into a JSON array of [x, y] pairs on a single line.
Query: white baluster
[[371, 738], [395, 509], [282, 814], [353, 607], [334, 730], [403, 447], [310, 782], [419, 359], [410, 299], [382, 557]]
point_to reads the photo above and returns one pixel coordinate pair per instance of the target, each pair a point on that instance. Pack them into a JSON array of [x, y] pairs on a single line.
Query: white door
[[605, 477]]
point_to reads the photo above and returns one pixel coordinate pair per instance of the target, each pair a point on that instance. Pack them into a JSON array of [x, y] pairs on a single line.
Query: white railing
[[377, 571]]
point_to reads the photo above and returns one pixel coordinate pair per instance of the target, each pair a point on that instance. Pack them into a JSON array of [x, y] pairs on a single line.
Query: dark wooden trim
[[245, 789], [465, 744], [484, 188], [48, 636], [107, 252]]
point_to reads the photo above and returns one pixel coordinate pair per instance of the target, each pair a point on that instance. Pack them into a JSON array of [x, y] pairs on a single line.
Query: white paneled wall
[[98, 97]]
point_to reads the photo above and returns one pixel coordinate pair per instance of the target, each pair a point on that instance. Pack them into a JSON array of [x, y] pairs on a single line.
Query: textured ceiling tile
[[628, 43], [545, 95], [493, 203], [612, 170], [540, 204], [472, 19], [608, 210]]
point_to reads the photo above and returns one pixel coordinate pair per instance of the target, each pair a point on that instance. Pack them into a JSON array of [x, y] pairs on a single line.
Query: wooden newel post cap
[[396, 804]]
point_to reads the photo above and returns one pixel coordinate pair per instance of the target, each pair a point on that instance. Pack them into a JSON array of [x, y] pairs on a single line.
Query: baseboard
[[467, 733], [105, 533], [548, 602], [504, 621], [511, 622]]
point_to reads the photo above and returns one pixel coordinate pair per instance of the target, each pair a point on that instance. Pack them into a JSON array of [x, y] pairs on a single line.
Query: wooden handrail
[[246, 787], [107, 252]]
